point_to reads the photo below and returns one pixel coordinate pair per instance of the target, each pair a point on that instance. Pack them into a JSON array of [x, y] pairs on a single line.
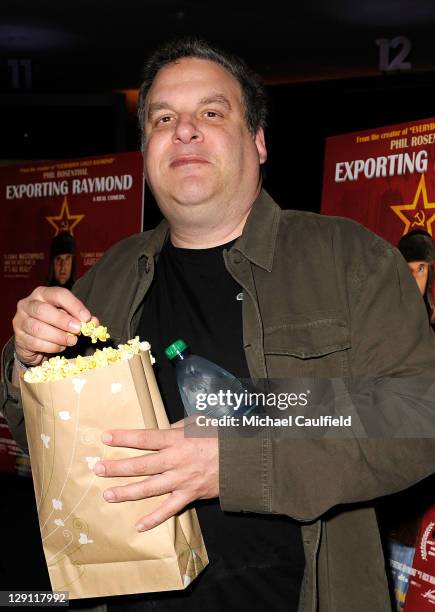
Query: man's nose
[[187, 129]]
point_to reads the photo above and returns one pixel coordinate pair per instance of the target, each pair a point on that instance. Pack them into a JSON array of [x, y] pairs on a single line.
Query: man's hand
[[47, 321], [186, 468]]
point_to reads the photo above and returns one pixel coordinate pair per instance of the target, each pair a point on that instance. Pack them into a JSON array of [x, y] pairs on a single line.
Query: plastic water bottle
[[205, 387]]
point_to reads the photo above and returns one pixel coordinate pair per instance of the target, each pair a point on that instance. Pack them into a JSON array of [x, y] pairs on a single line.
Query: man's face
[[198, 149], [420, 272], [62, 268]]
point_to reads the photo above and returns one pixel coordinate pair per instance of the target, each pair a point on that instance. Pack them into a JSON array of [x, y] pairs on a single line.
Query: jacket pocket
[[308, 348]]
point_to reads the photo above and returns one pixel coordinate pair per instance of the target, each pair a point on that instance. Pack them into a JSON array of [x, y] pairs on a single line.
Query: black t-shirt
[[256, 561]]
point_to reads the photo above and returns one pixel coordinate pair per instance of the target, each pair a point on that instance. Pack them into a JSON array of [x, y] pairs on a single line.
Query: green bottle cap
[[174, 349]]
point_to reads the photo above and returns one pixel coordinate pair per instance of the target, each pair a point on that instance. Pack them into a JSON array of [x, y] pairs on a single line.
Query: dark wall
[[304, 115], [61, 126]]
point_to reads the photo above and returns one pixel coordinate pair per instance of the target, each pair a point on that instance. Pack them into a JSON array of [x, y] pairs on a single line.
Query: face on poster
[[58, 218]]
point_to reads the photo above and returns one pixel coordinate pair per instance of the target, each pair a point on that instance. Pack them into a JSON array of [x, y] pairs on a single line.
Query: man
[[62, 261], [318, 301], [418, 249]]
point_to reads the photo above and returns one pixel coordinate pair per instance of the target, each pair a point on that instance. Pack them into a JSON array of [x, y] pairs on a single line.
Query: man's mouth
[[185, 160]]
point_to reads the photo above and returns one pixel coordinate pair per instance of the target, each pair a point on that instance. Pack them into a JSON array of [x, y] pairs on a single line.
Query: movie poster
[[383, 178], [57, 219]]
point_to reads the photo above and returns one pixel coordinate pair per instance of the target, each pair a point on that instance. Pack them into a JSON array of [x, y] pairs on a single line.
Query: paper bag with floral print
[[91, 547]]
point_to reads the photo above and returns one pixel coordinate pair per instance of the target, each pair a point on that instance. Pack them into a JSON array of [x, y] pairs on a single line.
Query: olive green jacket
[[323, 297]]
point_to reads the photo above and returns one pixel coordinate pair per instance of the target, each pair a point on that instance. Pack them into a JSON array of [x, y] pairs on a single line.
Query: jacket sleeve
[[11, 397], [391, 340]]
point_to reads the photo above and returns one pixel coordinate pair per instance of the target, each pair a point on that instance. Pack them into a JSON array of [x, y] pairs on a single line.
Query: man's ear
[[261, 145]]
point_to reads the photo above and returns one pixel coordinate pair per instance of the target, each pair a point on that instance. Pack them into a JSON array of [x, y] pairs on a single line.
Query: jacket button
[[236, 258]]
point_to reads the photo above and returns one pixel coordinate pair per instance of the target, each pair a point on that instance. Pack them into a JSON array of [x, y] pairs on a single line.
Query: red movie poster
[[57, 219], [383, 178]]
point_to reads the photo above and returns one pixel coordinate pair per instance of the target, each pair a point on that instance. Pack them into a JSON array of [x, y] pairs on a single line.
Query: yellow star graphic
[[64, 222], [418, 217]]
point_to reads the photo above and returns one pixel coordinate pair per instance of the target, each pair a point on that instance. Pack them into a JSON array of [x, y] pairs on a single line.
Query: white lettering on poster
[[102, 184], [385, 165]]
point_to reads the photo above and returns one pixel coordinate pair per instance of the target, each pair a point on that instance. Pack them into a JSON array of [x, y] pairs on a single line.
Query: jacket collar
[[156, 239], [257, 242]]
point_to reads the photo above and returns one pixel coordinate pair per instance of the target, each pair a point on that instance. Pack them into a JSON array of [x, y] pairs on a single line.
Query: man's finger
[[93, 318], [63, 298], [144, 465], [150, 487], [142, 439], [34, 330], [25, 343], [174, 504]]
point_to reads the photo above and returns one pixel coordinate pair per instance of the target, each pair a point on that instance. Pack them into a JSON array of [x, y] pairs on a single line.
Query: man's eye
[[164, 119], [211, 114]]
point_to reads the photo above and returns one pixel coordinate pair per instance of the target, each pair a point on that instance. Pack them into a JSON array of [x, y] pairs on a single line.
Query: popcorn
[[95, 333], [58, 368]]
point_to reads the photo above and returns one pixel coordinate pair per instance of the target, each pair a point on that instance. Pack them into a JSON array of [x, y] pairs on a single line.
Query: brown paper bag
[[91, 547]]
